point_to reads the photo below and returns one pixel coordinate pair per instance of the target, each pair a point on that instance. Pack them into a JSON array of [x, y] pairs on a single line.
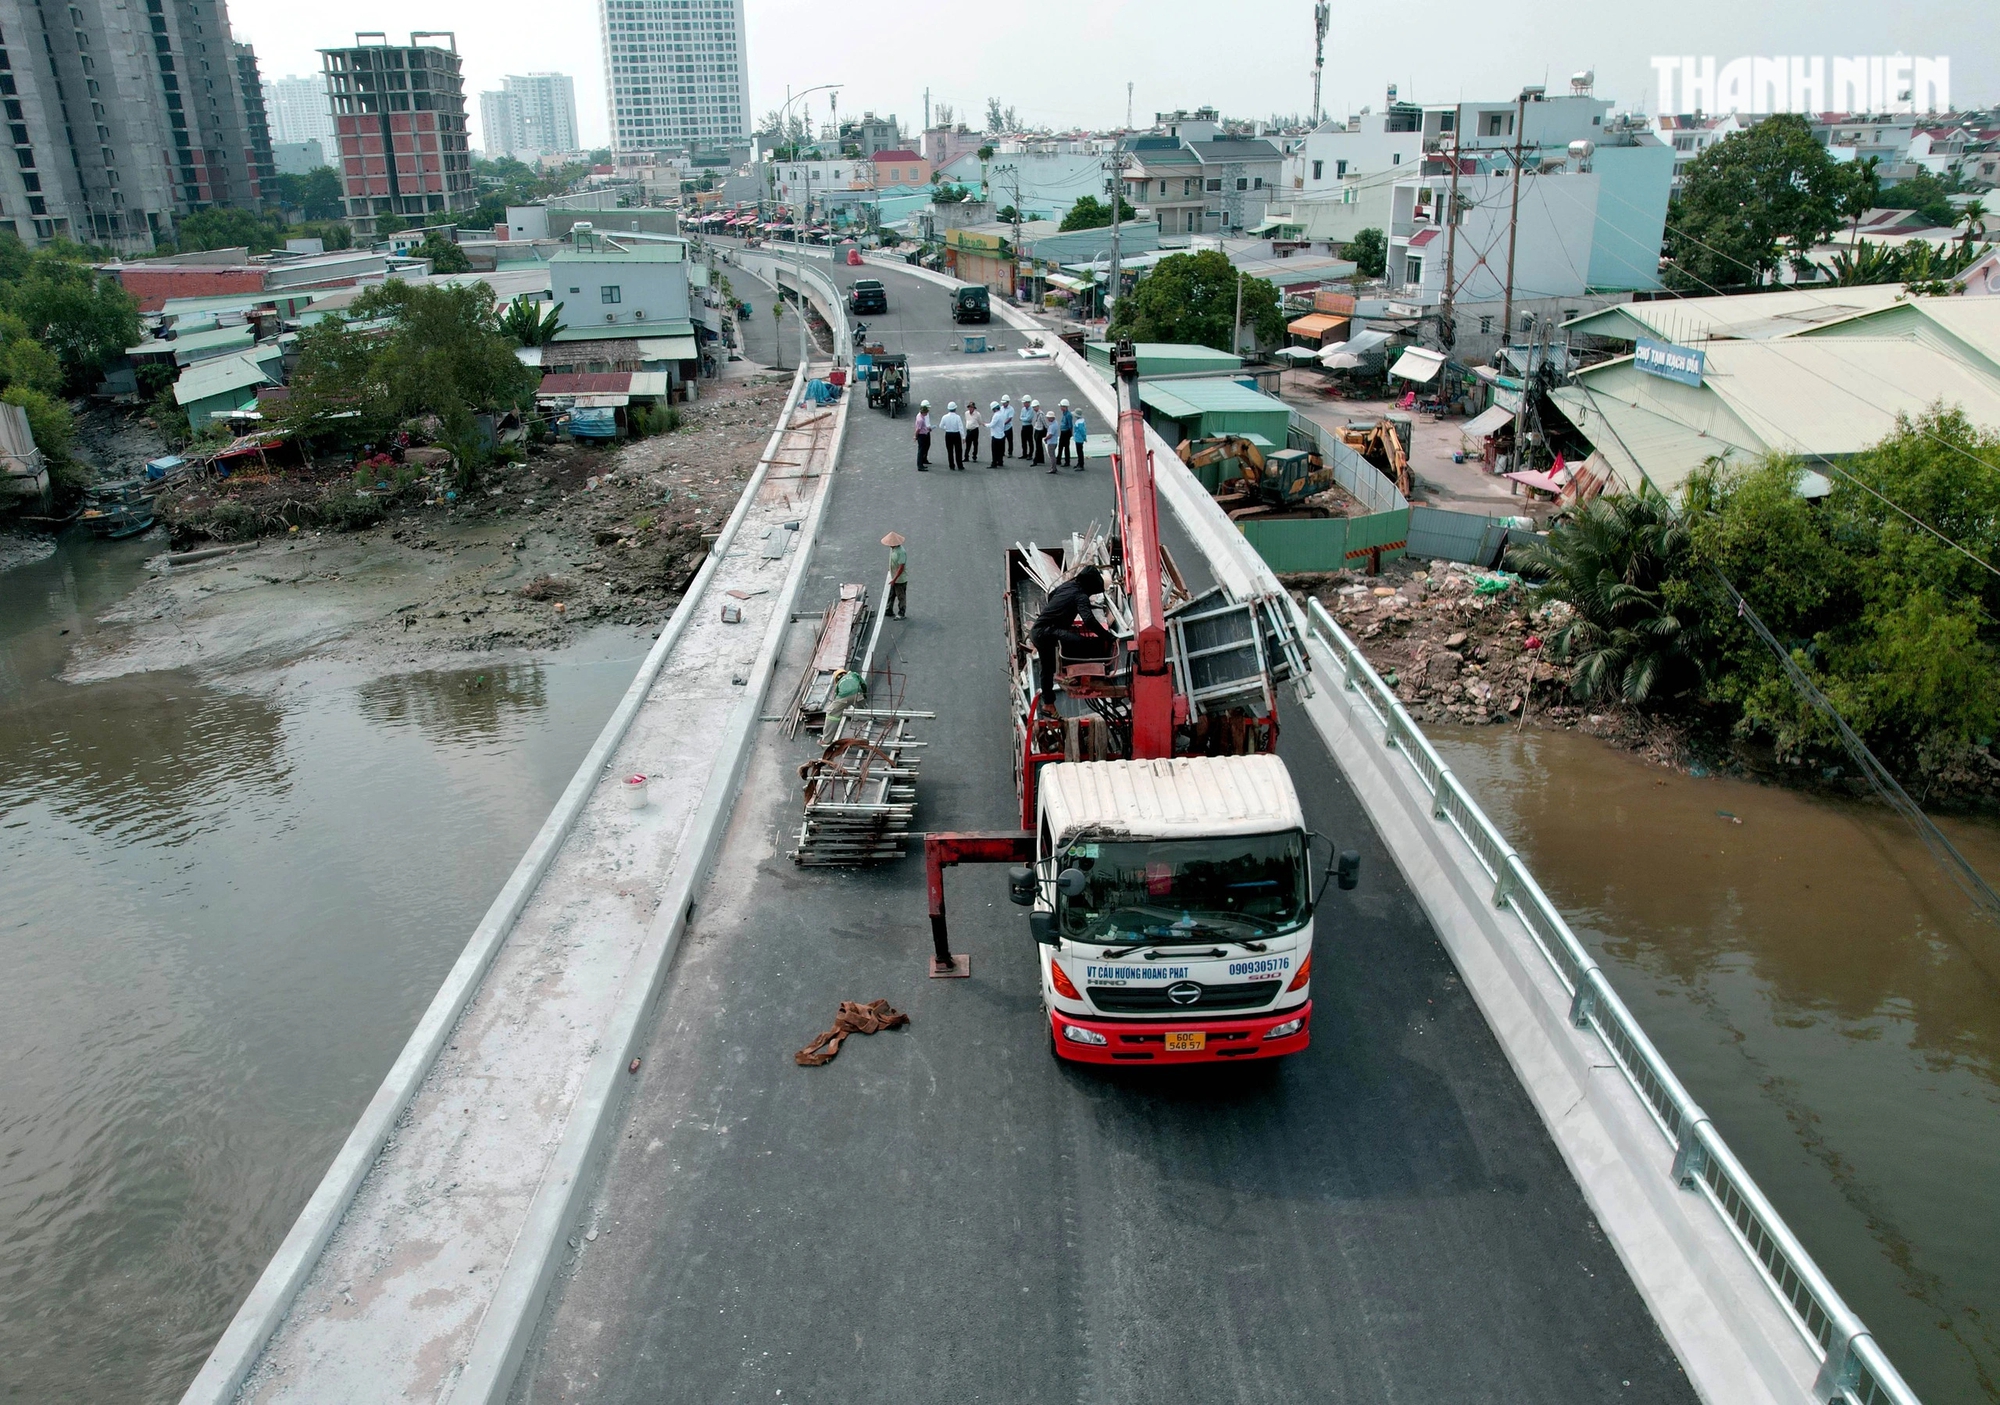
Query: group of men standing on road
[[1043, 436]]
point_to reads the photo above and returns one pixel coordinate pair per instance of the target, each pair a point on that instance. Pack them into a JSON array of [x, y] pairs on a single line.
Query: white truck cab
[[1172, 905]]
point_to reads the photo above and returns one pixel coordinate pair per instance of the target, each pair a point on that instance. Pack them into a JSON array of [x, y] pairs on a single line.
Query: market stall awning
[[1316, 325], [668, 348], [1488, 422], [1416, 364], [1348, 354], [1298, 353], [1067, 283]]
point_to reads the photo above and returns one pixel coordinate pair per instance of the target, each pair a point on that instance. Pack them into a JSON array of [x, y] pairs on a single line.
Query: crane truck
[[1162, 853]]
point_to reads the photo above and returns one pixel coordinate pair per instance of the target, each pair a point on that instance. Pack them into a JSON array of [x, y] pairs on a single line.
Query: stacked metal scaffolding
[[861, 790]]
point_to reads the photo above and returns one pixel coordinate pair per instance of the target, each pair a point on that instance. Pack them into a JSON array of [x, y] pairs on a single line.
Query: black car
[[868, 296], [971, 305]]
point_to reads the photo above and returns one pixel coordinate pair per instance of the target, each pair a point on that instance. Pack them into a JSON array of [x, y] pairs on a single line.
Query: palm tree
[[1973, 217], [532, 322], [1611, 563], [1864, 263]]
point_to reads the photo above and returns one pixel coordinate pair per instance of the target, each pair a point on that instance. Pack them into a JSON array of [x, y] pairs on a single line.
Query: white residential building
[[677, 72], [299, 110], [1341, 176], [532, 115]]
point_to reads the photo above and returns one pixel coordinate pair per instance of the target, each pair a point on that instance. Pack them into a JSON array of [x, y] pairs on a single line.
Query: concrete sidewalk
[[399, 1300]]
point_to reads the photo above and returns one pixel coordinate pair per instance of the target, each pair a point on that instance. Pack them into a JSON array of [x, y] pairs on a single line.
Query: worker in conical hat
[[898, 605]]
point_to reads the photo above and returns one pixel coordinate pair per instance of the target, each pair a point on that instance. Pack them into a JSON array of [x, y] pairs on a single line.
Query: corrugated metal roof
[[225, 373], [189, 344], [1752, 316], [587, 383], [1966, 326], [1813, 396], [1183, 399], [1185, 798]]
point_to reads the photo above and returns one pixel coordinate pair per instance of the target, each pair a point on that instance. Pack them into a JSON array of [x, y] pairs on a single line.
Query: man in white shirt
[[1003, 431], [954, 437]]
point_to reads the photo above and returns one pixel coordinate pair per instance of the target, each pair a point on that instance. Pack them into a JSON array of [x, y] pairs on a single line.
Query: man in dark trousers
[[1067, 620]]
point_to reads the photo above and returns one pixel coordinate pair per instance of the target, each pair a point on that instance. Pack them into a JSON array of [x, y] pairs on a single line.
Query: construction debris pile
[[1461, 644]]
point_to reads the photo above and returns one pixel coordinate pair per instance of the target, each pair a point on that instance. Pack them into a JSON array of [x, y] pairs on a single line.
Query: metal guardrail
[[1853, 1368]]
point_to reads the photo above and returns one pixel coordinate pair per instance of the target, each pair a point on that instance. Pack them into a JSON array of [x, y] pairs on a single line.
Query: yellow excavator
[[1279, 481], [1380, 444]]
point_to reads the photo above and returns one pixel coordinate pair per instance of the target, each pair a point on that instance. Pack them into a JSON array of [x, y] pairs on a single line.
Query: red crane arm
[[1139, 530]]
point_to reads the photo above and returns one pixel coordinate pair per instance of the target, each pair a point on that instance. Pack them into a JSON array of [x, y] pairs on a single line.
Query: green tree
[[218, 228], [1191, 299], [442, 354], [1622, 565], [532, 322], [1893, 624], [1006, 214], [1752, 200], [80, 316], [1925, 194], [444, 254], [316, 194], [391, 223], [1091, 213], [1369, 250], [54, 428]]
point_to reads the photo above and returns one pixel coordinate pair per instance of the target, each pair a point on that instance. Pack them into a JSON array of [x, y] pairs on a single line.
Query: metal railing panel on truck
[[1853, 1366]]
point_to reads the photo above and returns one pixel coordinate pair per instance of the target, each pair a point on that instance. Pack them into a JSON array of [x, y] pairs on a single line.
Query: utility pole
[[1514, 217], [1128, 107], [1322, 17], [927, 109], [1117, 164], [1447, 314], [1236, 333]]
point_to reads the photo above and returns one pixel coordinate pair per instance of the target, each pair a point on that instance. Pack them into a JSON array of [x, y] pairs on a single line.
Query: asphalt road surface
[[945, 1214]]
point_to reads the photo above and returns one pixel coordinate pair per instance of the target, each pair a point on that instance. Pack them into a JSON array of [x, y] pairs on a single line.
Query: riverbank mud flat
[[1463, 645], [574, 535]]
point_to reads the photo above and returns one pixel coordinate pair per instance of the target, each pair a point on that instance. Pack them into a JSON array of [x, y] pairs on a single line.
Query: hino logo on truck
[[1186, 993]]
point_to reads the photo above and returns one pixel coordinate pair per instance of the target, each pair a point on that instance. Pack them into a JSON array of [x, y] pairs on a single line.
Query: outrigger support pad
[[942, 851]]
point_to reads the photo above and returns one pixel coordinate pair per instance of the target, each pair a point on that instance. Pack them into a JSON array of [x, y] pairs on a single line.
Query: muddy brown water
[[225, 900], [1823, 990]]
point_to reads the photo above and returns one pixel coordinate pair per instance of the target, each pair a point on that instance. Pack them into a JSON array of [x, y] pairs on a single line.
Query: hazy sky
[[1066, 62]]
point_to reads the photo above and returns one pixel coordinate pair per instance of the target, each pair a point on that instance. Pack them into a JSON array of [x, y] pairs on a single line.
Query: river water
[[225, 900], [1826, 993]]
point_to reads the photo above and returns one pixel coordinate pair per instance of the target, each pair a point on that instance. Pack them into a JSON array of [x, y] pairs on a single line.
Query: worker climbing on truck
[[1067, 619]]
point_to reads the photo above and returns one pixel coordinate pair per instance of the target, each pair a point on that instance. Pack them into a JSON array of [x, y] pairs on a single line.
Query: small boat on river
[[115, 510]]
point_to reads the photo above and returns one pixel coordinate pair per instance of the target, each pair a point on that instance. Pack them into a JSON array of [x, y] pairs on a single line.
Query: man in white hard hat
[[1007, 409], [1065, 424], [954, 437]]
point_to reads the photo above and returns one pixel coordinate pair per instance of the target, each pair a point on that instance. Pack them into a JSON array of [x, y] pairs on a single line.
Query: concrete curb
[[271, 1297], [501, 1342]]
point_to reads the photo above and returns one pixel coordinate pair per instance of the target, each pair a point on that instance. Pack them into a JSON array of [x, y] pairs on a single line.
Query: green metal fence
[[1327, 543]]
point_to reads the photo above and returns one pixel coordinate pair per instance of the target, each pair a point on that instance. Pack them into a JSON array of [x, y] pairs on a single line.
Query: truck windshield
[[1190, 890]]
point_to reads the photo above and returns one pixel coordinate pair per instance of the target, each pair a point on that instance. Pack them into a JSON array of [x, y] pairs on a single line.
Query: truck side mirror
[[1071, 882], [1043, 925], [1350, 870], [1021, 887]]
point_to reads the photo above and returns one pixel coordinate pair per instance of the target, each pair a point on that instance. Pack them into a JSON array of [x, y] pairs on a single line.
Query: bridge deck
[[943, 1212]]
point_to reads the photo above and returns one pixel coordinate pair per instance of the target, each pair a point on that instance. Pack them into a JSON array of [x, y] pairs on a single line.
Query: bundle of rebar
[[861, 790]]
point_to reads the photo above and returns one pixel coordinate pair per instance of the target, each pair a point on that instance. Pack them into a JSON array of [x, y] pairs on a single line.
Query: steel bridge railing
[[1853, 1366]]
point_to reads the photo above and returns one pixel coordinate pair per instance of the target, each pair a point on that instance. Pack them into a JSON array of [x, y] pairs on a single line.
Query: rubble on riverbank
[[1461, 645]]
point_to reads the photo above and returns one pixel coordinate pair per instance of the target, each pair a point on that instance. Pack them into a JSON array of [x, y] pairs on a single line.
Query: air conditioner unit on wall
[[610, 317]]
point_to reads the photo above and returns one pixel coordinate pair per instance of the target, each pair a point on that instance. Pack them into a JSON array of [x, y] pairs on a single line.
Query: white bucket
[[635, 792]]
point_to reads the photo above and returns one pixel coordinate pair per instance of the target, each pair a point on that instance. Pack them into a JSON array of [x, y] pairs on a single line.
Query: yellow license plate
[[1191, 1041]]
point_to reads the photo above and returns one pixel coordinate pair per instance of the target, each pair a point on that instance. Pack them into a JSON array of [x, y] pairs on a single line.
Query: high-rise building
[[124, 115], [399, 116], [677, 73], [257, 154], [532, 114], [299, 109]]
